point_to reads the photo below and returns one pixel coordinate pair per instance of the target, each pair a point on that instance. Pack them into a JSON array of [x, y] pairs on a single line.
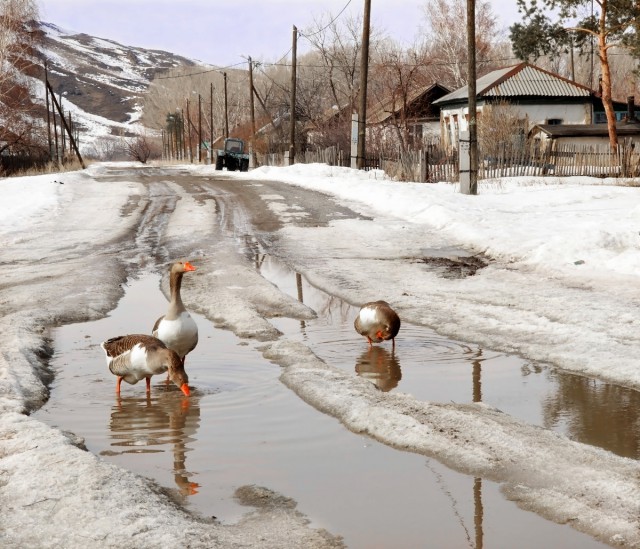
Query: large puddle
[[434, 368], [242, 426]]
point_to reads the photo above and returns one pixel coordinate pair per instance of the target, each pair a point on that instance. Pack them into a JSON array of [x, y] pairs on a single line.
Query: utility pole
[[199, 129], [63, 142], [226, 108], [292, 109], [64, 126], [55, 126], [471, 86], [364, 69], [189, 133], [183, 140], [253, 112], [46, 93], [211, 126]]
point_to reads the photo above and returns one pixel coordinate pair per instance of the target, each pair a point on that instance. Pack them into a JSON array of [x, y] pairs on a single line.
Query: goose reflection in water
[[147, 424], [379, 366]]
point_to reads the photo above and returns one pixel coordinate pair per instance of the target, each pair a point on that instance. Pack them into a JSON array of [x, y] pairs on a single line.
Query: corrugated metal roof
[[481, 83], [518, 81], [382, 112], [533, 81]]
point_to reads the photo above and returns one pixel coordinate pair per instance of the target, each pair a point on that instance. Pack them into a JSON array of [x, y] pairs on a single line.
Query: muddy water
[[242, 426], [432, 367]]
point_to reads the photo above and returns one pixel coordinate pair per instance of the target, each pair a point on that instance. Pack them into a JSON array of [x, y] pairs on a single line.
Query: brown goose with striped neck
[[378, 322], [137, 356], [176, 329]]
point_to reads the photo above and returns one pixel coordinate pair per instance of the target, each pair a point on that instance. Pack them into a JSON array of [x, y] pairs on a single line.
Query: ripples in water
[[439, 369]]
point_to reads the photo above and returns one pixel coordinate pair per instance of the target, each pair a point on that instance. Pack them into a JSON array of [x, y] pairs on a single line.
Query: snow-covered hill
[[101, 82]]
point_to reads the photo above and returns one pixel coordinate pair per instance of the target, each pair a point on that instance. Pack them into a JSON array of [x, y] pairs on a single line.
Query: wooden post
[[423, 166], [226, 108], [72, 132], [211, 126], [471, 86], [292, 109], [64, 123], [199, 129], [189, 133], [55, 132], [253, 114], [63, 141], [46, 93], [183, 137], [364, 70]]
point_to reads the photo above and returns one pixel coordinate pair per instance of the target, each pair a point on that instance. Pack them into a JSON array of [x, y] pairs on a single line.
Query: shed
[[584, 134]]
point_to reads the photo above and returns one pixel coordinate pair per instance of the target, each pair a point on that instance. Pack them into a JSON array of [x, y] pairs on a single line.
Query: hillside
[[101, 82]]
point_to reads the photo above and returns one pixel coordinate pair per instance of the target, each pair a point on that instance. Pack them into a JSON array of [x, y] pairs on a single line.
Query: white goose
[[176, 329], [136, 356], [377, 321]]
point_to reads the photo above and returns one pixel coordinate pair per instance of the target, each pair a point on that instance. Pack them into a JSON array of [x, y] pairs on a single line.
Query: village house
[[540, 97], [627, 128], [413, 119], [396, 121]]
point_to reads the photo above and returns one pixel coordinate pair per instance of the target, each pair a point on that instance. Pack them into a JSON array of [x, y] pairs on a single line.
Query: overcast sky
[[224, 32]]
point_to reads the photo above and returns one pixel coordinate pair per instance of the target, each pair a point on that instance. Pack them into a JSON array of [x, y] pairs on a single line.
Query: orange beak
[[185, 389], [188, 266]]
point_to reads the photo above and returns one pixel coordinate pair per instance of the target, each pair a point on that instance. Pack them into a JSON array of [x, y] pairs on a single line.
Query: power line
[[217, 69], [328, 24], [434, 64], [313, 33]]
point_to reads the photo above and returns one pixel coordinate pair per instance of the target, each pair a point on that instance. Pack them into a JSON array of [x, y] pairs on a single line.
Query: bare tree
[[171, 92], [19, 128], [141, 147], [396, 75], [548, 26], [448, 44], [500, 127], [337, 44]]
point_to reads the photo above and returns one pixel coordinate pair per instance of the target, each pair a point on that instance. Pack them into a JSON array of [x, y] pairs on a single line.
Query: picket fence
[[435, 164]]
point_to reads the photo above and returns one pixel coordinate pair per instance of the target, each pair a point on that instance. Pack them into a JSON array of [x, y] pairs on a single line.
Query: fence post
[[423, 166]]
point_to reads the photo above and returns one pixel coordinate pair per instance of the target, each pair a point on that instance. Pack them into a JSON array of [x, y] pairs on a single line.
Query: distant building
[[541, 98], [590, 134], [416, 114]]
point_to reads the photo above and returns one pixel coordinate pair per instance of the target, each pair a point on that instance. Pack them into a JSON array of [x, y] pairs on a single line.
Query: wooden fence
[[435, 164], [563, 160]]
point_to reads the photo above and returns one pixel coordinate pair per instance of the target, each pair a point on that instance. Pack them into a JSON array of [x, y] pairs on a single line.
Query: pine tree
[[611, 23]]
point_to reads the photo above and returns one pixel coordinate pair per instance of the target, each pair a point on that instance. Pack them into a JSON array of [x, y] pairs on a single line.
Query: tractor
[[232, 156]]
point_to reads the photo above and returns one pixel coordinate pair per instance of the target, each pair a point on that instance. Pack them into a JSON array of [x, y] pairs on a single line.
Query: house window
[[601, 117], [554, 121]]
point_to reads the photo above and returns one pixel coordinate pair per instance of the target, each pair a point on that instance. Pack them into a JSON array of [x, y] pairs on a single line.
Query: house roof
[[522, 80], [586, 130], [393, 105]]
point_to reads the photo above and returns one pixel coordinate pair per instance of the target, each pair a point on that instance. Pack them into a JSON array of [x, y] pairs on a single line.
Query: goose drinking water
[[377, 321], [137, 356]]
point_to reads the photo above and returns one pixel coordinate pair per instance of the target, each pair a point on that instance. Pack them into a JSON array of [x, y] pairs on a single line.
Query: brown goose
[[176, 329], [377, 321], [137, 356]]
